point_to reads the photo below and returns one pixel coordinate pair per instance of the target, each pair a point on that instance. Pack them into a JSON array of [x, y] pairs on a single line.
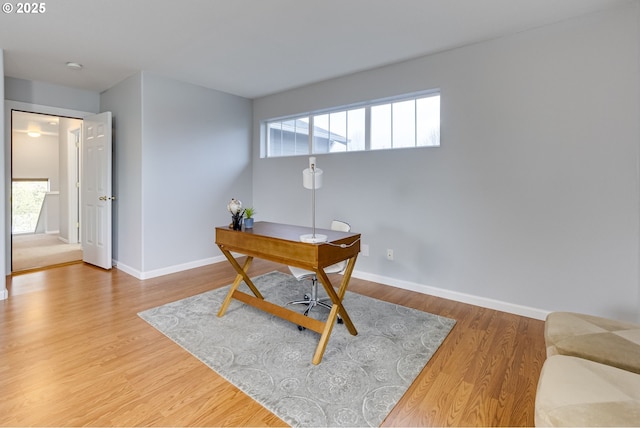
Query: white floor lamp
[[312, 179]]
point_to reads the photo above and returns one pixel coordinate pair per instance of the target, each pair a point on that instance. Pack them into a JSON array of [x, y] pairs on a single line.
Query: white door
[[95, 194]]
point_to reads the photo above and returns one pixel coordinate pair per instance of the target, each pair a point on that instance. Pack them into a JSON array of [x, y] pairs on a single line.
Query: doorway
[[45, 196]]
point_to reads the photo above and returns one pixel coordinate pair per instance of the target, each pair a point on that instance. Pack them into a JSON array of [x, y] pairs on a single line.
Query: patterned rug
[[360, 378]]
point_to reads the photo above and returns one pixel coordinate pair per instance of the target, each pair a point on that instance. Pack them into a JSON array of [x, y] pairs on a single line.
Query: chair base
[[311, 303], [311, 300]]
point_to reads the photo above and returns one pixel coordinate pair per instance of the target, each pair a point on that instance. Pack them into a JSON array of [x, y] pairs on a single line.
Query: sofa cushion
[[577, 392], [615, 343]]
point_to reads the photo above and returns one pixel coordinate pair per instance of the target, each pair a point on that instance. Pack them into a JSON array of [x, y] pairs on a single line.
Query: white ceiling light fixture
[[74, 65]]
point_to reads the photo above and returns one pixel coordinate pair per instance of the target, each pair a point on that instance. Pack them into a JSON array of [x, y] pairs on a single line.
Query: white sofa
[[592, 373]]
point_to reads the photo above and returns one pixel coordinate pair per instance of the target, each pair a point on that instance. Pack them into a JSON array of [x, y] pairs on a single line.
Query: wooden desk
[[281, 243]]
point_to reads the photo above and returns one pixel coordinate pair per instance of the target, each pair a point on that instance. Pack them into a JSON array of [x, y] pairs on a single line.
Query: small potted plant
[[248, 221]]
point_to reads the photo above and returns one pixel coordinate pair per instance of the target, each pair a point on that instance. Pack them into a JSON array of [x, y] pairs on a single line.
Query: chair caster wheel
[[301, 328], [307, 297], [340, 321]]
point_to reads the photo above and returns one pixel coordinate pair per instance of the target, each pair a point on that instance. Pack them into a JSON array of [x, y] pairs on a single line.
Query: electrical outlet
[[364, 250], [389, 254]]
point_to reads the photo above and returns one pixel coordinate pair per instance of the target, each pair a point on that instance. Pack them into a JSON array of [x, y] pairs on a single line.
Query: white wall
[[36, 158], [531, 202], [124, 101], [48, 94], [182, 151], [68, 133], [196, 157], [3, 162]]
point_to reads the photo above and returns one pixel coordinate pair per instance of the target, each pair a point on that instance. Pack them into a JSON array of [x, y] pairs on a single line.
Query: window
[[27, 196], [401, 122]]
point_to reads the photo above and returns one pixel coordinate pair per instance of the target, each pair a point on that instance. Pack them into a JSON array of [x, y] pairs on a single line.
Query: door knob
[[105, 198]]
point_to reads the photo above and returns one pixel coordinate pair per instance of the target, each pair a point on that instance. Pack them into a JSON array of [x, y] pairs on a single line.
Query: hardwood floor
[[74, 352]]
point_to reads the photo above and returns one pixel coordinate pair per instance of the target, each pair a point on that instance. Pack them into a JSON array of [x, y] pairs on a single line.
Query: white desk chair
[[311, 299]]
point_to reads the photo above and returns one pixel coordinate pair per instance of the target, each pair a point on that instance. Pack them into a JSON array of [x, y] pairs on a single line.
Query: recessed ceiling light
[[33, 134], [74, 65]]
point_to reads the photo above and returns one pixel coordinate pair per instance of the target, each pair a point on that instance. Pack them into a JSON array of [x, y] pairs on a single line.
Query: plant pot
[[248, 223]]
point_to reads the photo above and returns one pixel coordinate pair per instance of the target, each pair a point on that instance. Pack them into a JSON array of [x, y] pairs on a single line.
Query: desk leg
[[242, 274], [324, 338], [346, 277], [337, 298], [337, 307]]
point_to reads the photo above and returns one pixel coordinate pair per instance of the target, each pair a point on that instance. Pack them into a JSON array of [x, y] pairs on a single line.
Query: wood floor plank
[[74, 352]]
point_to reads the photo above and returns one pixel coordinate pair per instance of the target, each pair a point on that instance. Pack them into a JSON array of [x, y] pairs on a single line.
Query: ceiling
[[24, 123], [254, 48]]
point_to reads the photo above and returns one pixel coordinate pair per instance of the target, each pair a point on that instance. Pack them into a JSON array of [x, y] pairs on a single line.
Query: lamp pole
[[312, 167]]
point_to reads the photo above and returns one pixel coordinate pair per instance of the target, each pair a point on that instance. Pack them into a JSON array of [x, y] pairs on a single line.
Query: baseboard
[[66, 241], [454, 295], [4, 294], [168, 270], [393, 282], [127, 269]]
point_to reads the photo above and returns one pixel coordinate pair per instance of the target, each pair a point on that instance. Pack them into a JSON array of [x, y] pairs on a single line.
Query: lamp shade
[[307, 178]]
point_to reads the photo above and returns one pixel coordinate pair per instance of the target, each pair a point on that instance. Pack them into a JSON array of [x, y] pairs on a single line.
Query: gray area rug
[[360, 378]]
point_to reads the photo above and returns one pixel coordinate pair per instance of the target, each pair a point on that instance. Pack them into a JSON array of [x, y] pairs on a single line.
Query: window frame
[[309, 117]]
